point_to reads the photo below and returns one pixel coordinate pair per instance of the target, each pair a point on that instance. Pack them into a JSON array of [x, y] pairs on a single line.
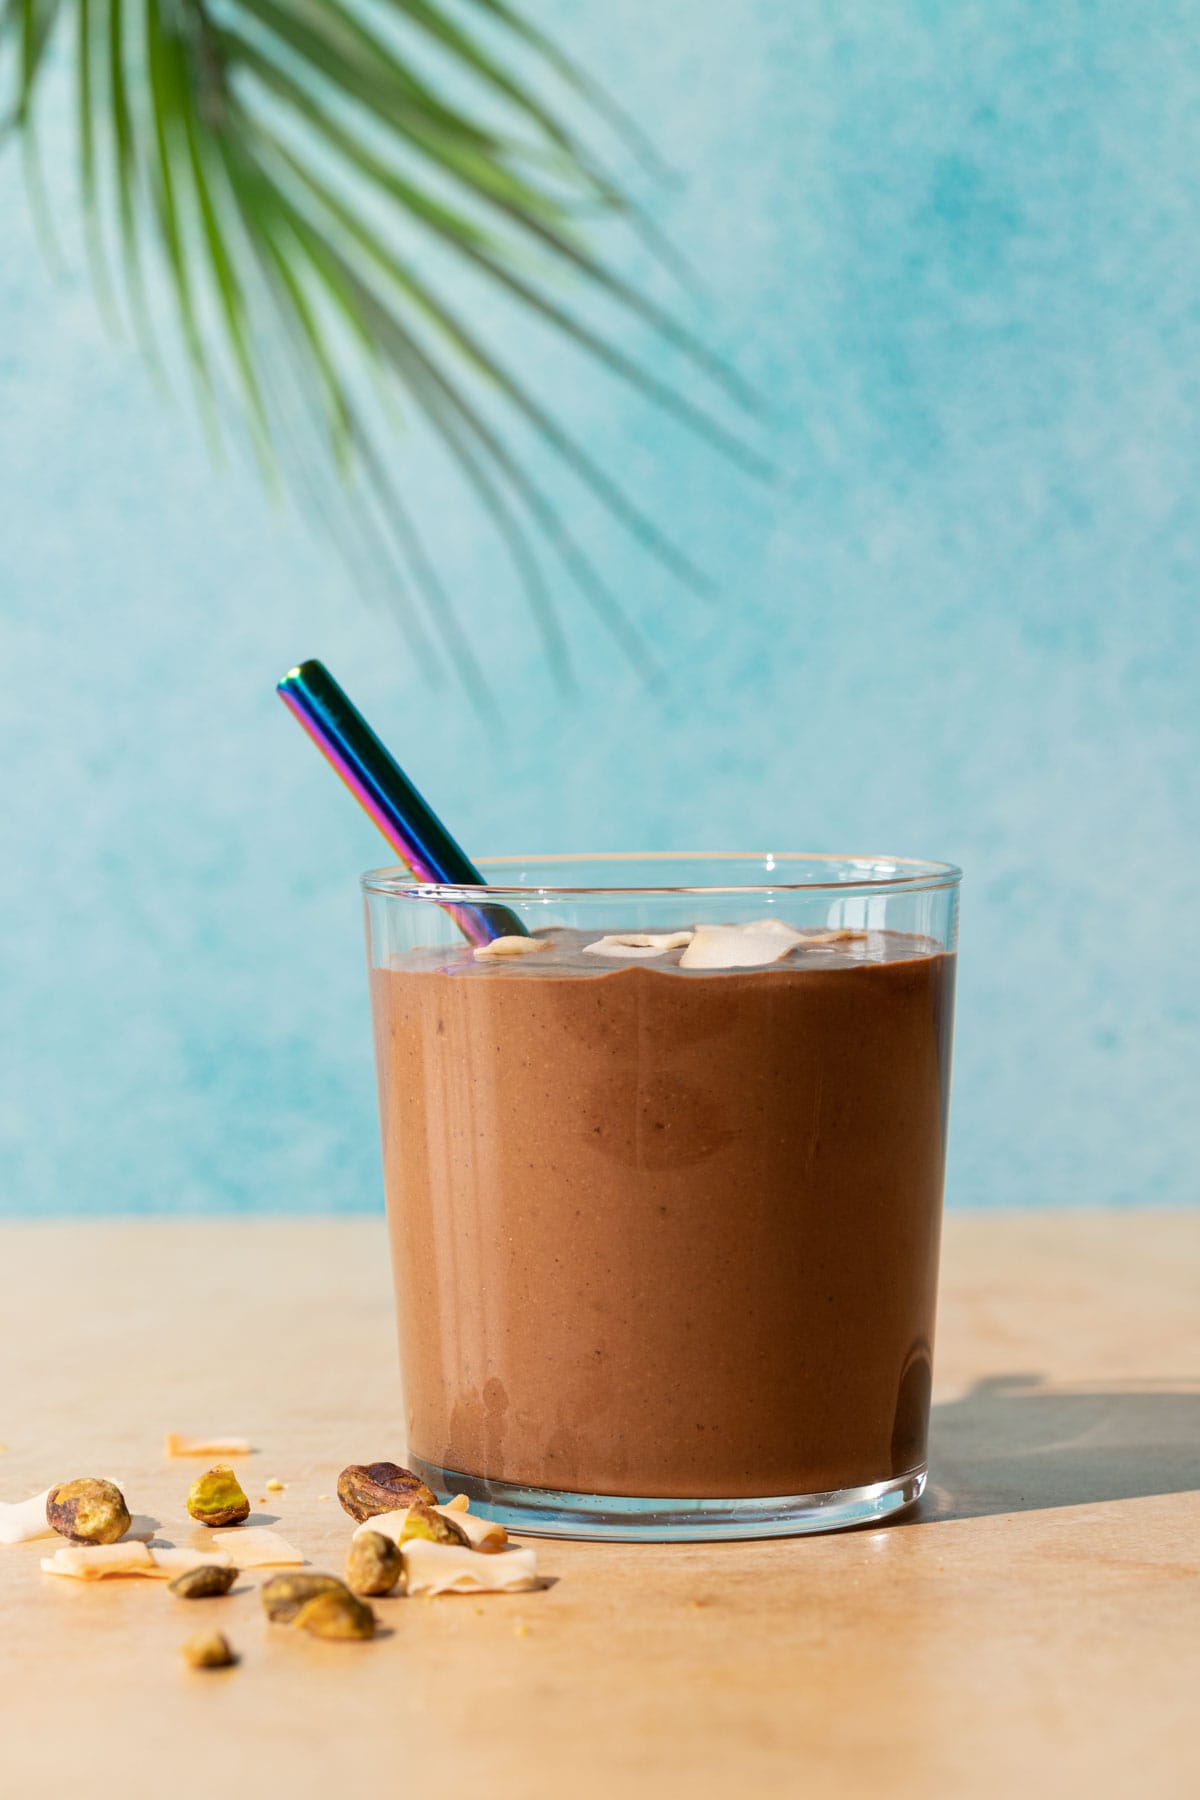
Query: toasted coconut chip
[[96, 1561], [820, 937], [622, 944], [509, 946], [740, 946], [177, 1445], [485, 1534], [170, 1560], [21, 1520], [254, 1547], [93, 1562], [453, 1569]]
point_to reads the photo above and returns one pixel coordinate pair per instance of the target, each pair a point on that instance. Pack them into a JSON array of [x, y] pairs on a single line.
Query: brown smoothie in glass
[[662, 1231]]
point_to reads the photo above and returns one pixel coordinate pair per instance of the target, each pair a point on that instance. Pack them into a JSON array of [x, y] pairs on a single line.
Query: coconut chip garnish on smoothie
[[663, 1145]]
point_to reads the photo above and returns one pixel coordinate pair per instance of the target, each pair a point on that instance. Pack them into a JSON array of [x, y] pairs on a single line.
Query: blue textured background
[[959, 244]]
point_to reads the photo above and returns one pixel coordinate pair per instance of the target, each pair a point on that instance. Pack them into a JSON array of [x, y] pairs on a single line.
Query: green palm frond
[[300, 175]]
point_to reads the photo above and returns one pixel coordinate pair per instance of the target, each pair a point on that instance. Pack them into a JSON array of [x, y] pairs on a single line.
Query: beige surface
[[1036, 1630]]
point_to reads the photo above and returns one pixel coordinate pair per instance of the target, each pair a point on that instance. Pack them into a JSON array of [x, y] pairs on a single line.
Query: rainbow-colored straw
[[380, 785]]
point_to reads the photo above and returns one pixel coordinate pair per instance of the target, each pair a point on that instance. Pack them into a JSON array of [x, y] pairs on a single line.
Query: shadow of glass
[[1016, 1443]]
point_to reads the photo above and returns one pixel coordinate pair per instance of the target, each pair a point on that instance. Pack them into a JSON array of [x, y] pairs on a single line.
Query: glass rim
[[880, 874]]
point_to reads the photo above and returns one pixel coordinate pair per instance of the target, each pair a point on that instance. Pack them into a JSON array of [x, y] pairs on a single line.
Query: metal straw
[[381, 787]]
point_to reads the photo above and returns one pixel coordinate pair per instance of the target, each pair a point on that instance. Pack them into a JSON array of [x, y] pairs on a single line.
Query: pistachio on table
[[284, 1595], [216, 1498], [427, 1522], [88, 1511], [336, 1614], [208, 1650], [373, 1564], [365, 1489], [204, 1582]]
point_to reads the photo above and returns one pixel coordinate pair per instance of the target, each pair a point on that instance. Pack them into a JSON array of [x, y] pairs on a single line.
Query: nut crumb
[[274, 1486]]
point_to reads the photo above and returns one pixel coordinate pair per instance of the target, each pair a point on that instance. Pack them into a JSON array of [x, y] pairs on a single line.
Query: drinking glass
[[665, 1240]]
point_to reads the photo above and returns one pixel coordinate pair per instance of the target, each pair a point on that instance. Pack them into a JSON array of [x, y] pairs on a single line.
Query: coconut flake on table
[[623, 944], [454, 1569], [254, 1547], [95, 1562], [176, 1444], [23, 1520]]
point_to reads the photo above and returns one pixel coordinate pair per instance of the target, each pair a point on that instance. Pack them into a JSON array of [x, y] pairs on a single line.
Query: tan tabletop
[[1036, 1629]]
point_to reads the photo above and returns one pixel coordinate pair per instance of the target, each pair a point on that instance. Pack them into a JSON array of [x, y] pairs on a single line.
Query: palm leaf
[[278, 158]]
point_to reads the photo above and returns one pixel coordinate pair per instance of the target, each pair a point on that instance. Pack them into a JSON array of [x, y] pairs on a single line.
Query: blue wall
[[959, 245]]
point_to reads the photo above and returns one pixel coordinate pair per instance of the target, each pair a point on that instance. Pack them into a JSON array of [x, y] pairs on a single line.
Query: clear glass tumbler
[[665, 1237]]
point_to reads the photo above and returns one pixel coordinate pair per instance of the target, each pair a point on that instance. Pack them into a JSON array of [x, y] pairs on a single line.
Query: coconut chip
[[254, 1547], [21, 1520], [171, 1560], [93, 1562], [740, 946], [622, 944], [509, 946], [821, 937], [177, 1445], [453, 1569], [485, 1534]]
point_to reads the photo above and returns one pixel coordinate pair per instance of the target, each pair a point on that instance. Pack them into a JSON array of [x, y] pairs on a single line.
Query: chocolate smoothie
[[662, 1231]]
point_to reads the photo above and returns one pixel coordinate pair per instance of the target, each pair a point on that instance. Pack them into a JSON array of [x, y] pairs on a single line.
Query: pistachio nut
[[216, 1498], [284, 1595], [426, 1522], [204, 1582], [337, 1614], [373, 1564], [88, 1511], [208, 1650], [370, 1488]]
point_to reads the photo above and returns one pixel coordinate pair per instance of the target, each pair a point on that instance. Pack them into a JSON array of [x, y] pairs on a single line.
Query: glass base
[[549, 1512]]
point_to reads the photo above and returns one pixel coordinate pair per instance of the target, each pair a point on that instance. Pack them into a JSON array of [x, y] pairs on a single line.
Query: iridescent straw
[[381, 787]]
